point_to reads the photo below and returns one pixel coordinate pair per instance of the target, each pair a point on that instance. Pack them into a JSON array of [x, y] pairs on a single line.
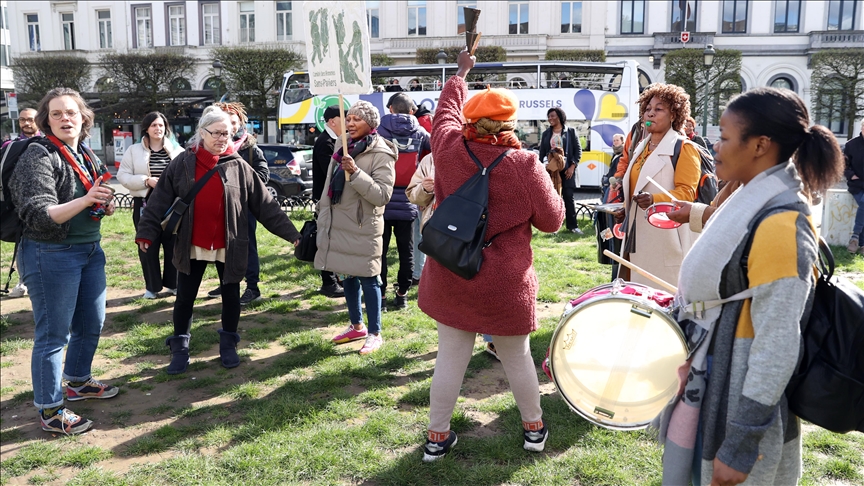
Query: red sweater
[[208, 218], [500, 299]]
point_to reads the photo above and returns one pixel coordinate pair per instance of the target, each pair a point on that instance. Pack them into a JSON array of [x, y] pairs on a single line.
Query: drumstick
[[649, 276], [652, 181]]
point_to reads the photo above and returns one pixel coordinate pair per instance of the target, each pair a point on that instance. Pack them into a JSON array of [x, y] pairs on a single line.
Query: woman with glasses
[[214, 228], [139, 172], [57, 189]]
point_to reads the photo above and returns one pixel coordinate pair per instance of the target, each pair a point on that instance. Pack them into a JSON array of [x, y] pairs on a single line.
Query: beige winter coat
[[415, 192], [350, 233]]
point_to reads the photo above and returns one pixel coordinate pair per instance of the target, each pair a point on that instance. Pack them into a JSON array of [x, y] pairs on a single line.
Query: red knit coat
[[500, 299]]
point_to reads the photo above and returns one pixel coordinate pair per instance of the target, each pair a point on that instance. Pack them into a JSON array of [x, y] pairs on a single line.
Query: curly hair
[[87, 115], [672, 96]]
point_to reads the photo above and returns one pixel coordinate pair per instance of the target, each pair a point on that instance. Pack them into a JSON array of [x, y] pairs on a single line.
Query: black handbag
[[308, 246], [174, 214], [455, 235]]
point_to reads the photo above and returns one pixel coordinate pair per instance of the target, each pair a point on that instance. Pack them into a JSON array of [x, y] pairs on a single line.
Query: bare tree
[[253, 76], [146, 82], [838, 86], [35, 76]]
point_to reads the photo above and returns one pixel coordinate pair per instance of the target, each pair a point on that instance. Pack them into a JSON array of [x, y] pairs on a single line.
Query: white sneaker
[[150, 295], [19, 290], [172, 291]]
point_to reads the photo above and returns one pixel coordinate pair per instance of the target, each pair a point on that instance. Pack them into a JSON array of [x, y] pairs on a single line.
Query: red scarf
[[208, 220], [507, 138], [89, 171]]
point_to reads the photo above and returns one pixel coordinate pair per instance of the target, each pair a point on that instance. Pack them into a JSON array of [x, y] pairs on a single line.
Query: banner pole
[[344, 132]]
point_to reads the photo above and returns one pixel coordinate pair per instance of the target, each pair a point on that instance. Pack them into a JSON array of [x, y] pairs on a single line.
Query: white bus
[[599, 100]]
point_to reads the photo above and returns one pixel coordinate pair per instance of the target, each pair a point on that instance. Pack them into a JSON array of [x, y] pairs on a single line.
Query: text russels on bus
[[540, 103]]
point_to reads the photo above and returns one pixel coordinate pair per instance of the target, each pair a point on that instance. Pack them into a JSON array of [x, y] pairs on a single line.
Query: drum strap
[[697, 308]]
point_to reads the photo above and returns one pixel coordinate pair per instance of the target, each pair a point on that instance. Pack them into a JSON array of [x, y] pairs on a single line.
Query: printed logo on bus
[[610, 109], [321, 103]]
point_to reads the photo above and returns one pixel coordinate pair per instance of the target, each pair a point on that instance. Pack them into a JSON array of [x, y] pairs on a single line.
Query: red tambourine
[[656, 215]]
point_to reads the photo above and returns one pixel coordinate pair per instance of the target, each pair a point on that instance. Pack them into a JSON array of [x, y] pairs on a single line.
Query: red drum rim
[[656, 215]]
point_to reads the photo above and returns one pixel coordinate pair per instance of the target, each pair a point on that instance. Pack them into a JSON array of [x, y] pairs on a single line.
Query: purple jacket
[[401, 126]]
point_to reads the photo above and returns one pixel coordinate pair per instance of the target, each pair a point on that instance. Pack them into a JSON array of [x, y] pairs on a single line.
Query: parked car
[[290, 169]]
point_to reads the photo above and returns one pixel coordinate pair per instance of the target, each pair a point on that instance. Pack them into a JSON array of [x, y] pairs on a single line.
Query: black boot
[[228, 348], [179, 354]]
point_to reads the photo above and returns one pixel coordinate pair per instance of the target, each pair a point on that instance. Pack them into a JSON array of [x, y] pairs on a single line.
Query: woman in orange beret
[[500, 299]]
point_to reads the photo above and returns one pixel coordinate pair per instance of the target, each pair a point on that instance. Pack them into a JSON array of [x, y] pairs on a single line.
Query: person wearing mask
[[731, 423], [27, 124], [401, 127], [854, 154], [351, 220], [500, 300], [246, 146], [322, 152], [560, 135], [139, 172], [213, 229], [690, 132], [58, 192], [663, 109]]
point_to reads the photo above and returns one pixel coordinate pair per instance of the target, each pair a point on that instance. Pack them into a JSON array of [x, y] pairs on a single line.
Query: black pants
[[187, 290], [253, 266], [328, 278], [569, 207], [404, 232], [155, 278]]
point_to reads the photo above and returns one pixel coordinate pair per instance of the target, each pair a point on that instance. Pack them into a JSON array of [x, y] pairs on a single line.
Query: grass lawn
[[300, 410]]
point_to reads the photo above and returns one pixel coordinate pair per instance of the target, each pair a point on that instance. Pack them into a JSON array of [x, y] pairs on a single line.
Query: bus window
[[300, 134], [297, 89]]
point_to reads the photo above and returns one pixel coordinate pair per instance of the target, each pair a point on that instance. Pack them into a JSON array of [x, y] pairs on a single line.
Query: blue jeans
[[372, 296], [419, 256], [66, 284], [858, 228], [253, 266]]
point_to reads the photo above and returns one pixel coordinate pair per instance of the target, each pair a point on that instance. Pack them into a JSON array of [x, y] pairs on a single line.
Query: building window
[[571, 17], [734, 16], [841, 14], [3, 18], [106, 37], [4, 55], [177, 25], [373, 19], [416, 17], [728, 89], [283, 21], [33, 32], [210, 22], [632, 16], [67, 23], [783, 82], [247, 22], [518, 17], [144, 27], [180, 84], [460, 14], [832, 101], [683, 15], [786, 14]]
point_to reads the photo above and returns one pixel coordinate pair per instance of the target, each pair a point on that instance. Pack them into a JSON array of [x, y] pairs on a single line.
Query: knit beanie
[[366, 111], [495, 104]]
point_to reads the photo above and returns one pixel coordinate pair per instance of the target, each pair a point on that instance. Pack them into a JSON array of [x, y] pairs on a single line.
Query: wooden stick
[[476, 43], [344, 134], [659, 281], [652, 181]]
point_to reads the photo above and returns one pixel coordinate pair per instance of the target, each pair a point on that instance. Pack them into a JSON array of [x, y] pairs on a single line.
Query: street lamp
[[217, 72], [708, 60], [441, 57]]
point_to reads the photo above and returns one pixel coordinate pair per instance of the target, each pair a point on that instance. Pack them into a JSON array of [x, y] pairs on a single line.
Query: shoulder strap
[[199, 185], [492, 165], [676, 152], [11, 266]]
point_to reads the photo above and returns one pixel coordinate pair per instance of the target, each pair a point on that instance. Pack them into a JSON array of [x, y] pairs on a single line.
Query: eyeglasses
[[217, 135], [26, 120], [58, 115]]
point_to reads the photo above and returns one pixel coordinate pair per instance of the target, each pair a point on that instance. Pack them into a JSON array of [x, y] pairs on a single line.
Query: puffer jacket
[[135, 167], [244, 193], [350, 233], [399, 125]]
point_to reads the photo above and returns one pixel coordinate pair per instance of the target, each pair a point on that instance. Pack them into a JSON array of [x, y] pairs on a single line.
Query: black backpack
[[827, 388], [10, 225], [455, 235], [707, 189]]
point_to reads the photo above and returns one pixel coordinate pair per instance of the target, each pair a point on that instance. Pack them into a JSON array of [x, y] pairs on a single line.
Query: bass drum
[[615, 354]]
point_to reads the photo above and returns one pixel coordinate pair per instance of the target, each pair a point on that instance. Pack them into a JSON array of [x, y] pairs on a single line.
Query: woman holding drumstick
[[664, 109]]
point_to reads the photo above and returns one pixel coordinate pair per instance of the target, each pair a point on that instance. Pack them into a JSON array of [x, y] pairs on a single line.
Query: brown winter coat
[[245, 192], [350, 233]]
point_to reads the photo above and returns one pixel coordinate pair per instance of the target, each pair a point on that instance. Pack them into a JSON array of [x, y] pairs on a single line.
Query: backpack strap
[[676, 152], [484, 170], [11, 266]]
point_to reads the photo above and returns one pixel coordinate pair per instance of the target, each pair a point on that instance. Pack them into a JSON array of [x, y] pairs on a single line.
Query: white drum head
[[615, 359]]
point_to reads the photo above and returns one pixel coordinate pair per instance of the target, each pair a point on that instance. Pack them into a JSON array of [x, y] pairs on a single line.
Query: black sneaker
[[535, 440], [250, 295], [433, 451], [215, 292], [332, 291], [399, 302], [383, 303]]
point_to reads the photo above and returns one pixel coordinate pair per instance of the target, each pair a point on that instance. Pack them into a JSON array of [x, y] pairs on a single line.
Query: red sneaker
[[350, 334]]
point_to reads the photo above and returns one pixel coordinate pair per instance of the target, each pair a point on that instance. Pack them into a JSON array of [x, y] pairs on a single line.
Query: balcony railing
[[510, 42], [836, 39]]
